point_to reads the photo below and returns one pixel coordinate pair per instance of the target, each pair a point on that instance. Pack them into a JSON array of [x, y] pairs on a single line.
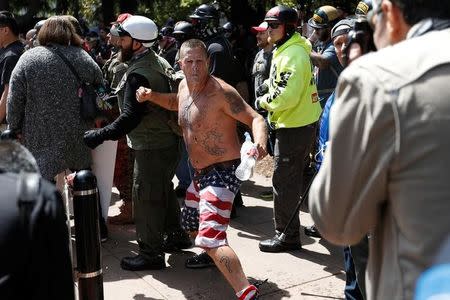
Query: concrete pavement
[[315, 272]]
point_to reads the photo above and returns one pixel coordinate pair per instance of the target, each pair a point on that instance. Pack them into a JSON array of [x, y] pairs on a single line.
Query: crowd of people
[[358, 97]]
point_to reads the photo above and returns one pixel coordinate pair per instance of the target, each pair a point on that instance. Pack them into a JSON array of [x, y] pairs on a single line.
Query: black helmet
[[183, 27], [166, 31], [363, 7], [229, 27], [230, 30], [183, 30], [282, 14], [205, 12]]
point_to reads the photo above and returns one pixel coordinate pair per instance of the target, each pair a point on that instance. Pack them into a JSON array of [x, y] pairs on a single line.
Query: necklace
[[194, 97]]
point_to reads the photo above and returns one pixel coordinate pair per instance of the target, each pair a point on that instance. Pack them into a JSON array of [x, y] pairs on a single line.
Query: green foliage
[[89, 10], [161, 10]]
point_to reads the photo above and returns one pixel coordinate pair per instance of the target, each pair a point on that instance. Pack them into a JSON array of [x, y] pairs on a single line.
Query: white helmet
[[141, 29]]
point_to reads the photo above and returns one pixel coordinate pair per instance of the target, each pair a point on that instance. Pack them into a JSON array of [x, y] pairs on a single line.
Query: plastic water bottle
[[245, 169]]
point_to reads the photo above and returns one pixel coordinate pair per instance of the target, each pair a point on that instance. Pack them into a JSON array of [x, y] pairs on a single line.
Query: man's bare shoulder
[[182, 85], [182, 89], [230, 96]]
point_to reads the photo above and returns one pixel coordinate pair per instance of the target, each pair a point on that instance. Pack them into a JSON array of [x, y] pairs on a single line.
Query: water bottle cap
[[247, 136]]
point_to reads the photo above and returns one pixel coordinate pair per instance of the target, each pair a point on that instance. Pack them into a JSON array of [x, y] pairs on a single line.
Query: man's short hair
[[416, 10], [7, 20], [191, 44], [15, 158]]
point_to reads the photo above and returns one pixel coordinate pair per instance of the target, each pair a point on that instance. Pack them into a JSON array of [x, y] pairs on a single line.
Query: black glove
[[93, 138]]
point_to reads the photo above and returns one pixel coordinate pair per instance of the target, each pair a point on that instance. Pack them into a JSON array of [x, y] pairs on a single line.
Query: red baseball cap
[[121, 18], [260, 28]]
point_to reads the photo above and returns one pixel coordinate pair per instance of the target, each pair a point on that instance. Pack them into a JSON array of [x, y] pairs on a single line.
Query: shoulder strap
[[67, 62], [28, 192]]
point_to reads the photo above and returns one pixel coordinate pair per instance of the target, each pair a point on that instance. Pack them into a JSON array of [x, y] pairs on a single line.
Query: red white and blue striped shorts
[[208, 203]]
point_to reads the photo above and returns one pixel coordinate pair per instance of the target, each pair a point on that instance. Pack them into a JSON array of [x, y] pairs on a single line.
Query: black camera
[[361, 34]]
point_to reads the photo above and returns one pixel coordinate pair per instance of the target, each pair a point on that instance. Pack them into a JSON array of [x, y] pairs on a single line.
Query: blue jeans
[[355, 262]]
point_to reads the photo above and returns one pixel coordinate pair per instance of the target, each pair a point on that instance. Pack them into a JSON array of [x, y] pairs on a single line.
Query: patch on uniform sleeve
[[314, 97]]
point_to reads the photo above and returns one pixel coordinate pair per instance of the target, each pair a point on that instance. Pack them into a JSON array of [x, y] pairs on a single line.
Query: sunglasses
[[274, 25]]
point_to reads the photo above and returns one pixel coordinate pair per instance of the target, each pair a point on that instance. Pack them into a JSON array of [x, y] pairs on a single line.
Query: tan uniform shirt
[[386, 170]]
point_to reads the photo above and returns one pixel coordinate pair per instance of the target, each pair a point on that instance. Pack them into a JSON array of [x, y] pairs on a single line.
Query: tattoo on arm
[[235, 101], [227, 262], [173, 103]]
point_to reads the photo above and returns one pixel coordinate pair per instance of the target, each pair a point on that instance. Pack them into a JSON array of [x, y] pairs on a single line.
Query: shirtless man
[[209, 110]]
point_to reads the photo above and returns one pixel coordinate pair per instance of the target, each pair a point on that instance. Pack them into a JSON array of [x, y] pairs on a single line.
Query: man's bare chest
[[196, 112]]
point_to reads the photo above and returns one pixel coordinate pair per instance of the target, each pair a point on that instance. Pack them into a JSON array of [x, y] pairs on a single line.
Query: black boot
[[276, 245], [139, 263]]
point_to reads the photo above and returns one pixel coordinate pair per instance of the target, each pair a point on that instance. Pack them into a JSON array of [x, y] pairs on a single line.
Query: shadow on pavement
[[142, 297], [269, 288]]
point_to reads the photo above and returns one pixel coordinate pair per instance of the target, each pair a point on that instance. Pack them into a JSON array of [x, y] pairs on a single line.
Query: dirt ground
[[265, 166]]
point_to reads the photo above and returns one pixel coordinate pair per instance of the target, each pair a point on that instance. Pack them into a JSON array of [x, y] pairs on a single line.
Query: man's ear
[[136, 45], [396, 26]]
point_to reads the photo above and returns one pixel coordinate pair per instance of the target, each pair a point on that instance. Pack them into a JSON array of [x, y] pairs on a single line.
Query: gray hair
[[15, 158]]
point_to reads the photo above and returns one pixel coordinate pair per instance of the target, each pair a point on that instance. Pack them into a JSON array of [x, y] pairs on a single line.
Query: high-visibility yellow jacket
[[292, 99]]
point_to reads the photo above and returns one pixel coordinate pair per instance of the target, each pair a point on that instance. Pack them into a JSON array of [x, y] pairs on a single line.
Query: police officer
[[363, 8], [327, 66], [149, 134], [167, 44], [205, 20], [182, 32]]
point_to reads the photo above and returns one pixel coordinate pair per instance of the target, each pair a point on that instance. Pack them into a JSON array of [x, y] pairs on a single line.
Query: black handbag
[[86, 93]]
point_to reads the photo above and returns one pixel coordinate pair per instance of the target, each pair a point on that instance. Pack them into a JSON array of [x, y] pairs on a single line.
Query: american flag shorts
[[207, 206]]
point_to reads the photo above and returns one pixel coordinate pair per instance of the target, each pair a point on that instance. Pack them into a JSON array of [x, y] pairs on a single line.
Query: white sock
[[248, 293]]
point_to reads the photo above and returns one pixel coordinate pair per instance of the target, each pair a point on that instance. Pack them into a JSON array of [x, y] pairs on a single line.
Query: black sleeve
[[8, 66], [132, 110], [50, 252]]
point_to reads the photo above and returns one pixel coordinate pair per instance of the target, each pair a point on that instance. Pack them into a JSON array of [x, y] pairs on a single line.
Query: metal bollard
[[89, 268]]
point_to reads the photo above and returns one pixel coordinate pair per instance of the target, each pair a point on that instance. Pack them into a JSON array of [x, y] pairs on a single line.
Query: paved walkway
[[315, 272]]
